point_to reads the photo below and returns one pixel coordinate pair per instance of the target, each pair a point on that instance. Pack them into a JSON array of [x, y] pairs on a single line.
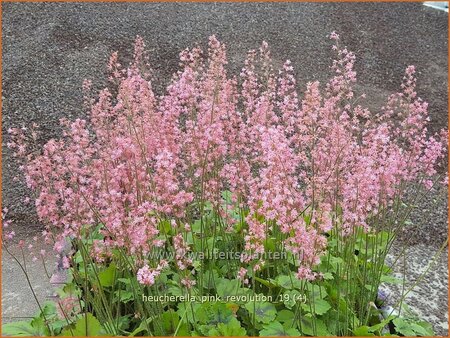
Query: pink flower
[[242, 273], [188, 283], [306, 274], [59, 246], [68, 307], [158, 243], [334, 36], [10, 235], [66, 262], [181, 252], [147, 276]]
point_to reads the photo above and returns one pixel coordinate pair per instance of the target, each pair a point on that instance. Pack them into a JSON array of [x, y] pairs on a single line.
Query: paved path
[[428, 300], [18, 302]]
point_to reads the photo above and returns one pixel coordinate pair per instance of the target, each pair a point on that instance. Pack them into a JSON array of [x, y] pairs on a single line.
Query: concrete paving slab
[[429, 298], [18, 302]]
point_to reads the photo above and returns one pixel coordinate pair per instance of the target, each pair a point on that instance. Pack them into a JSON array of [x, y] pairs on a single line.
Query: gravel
[[428, 220], [50, 48]]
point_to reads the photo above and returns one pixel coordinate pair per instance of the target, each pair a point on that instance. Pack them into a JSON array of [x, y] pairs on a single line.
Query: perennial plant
[[134, 194]]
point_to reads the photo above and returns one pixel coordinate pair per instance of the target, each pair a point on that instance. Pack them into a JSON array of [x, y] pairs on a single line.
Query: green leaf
[[38, 324], [403, 327], [379, 326], [231, 329], [165, 227], [427, 326], [264, 282], [124, 295], [290, 298], [419, 330], [142, 326], [211, 279], [69, 289], [336, 262], [189, 238], [183, 327], [123, 322], [196, 226], [316, 291], [21, 328], [313, 327], [126, 281], [87, 325], [363, 331], [167, 323], [410, 328], [48, 310], [276, 329], [269, 244], [213, 313], [226, 195], [288, 282], [285, 316], [318, 306], [188, 311], [226, 288], [264, 312], [207, 330], [328, 276], [78, 258], [107, 276], [369, 287]]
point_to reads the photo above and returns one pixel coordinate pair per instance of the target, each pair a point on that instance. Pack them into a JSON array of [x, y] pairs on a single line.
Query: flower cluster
[[147, 276], [303, 165], [68, 307]]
